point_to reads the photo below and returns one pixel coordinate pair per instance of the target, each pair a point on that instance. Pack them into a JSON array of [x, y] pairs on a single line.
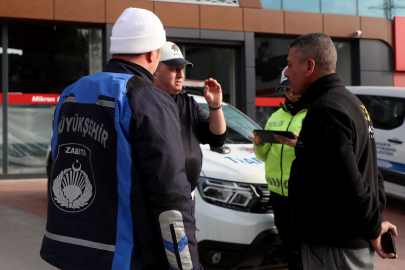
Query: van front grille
[[263, 205]]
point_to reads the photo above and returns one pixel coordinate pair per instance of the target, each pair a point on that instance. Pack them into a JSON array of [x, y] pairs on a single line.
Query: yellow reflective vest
[[279, 157]]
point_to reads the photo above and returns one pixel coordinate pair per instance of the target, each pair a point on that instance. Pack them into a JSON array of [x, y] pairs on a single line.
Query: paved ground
[[22, 224], [23, 220]]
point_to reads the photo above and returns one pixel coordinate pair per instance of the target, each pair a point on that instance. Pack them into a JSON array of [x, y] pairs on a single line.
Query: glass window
[[344, 61], [43, 60], [271, 4], [373, 8], [239, 125], [347, 7], [29, 135], [271, 59], [399, 8], [216, 62], [47, 59], [302, 6], [385, 112]]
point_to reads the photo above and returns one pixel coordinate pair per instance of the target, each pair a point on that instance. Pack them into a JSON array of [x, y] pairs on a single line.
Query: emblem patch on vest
[[73, 188]]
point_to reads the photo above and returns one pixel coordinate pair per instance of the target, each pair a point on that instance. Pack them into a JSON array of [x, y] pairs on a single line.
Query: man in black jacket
[[196, 126], [336, 191]]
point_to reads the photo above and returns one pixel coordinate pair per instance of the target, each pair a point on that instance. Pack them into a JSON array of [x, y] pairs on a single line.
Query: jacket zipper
[[281, 160]]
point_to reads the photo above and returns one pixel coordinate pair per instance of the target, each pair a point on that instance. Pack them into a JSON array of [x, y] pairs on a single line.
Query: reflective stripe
[[183, 243], [70, 99], [185, 256], [168, 245], [105, 103], [175, 219], [79, 242]]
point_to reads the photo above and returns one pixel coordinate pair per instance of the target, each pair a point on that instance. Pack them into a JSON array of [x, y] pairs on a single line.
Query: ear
[[154, 75], [150, 56], [310, 65]]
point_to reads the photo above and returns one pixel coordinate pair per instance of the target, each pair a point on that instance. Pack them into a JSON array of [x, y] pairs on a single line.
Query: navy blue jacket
[[195, 130], [119, 195]]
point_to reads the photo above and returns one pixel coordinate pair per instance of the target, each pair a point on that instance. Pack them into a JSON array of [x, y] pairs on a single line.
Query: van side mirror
[[222, 150]]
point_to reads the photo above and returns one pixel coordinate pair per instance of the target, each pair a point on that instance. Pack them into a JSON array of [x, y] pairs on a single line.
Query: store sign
[[232, 3], [18, 98], [269, 101]]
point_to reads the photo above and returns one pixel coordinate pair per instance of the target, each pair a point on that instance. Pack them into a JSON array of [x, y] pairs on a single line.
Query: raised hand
[[213, 93]]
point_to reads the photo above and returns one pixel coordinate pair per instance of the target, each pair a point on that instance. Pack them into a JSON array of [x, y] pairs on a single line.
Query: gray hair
[[320, 48]]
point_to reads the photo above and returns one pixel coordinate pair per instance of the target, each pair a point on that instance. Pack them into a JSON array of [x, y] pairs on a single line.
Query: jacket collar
[[116, 65], [295, 107], [321, 86]]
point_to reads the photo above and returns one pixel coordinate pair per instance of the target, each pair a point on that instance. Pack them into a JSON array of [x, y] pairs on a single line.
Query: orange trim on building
[[399, 43], [399, 79]]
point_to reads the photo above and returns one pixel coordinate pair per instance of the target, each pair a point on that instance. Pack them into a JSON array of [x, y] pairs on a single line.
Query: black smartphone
[[287, 134], [267, 136], [388, 243]]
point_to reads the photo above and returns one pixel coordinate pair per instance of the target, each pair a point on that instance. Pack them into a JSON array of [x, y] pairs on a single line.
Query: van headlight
[[233, 195]]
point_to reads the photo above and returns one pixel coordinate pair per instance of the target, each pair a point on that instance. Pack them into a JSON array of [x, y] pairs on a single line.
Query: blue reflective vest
[[119, 191]]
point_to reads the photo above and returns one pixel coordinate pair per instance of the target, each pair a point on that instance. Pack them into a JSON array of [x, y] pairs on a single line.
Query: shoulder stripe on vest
[[104, 103], [70, 99]]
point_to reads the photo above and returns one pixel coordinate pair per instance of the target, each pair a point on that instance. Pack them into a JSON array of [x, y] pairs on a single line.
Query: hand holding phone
[[385, 241], [388, 243]]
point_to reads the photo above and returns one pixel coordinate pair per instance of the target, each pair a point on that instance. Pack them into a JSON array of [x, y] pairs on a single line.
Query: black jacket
[[195, 130], [336, 190]]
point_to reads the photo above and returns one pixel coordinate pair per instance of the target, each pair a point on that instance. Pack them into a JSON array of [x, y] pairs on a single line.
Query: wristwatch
[[214, 108]]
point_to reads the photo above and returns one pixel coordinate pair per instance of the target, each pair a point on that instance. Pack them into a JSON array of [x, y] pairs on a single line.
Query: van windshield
[[239, 125]]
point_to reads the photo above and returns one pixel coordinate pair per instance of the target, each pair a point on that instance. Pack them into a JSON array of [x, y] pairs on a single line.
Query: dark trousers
[[284, 224]]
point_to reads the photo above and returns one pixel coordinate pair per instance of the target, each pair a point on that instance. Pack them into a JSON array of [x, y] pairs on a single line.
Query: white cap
[[172, 56], [137, 31], [283, 80]]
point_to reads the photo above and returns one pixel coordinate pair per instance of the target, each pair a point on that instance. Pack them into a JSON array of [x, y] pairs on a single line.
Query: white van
[[386, 107], [235, 222], [234, 217]]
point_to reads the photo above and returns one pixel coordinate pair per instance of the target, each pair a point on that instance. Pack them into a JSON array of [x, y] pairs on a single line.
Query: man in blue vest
[[119, 195]]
